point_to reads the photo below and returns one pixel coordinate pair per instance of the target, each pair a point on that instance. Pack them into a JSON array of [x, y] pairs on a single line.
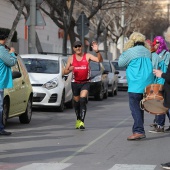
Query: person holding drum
[[166, 95], [157, 63], [160, 61], [137, 58]]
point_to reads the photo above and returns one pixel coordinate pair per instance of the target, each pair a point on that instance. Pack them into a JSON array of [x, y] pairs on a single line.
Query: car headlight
[[51, 84], [96, 79], [122, 77]]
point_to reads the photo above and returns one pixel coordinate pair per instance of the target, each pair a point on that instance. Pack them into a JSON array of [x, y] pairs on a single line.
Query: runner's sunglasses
[[77, 46]]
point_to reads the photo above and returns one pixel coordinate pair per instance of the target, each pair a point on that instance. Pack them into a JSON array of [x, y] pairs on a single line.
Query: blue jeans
[[137, 113], [1, 109]]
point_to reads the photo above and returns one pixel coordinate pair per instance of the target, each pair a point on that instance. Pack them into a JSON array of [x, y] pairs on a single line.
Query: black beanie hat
[[3, 34]]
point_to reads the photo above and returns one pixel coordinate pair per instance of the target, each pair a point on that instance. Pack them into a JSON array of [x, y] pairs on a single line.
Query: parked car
[[122, 81], [99, 81], [51, 88], [18, 100], [113, 77]]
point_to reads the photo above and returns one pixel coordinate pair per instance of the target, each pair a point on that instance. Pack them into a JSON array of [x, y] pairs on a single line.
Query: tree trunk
[[72, 37], [64, 50], [15, 23]]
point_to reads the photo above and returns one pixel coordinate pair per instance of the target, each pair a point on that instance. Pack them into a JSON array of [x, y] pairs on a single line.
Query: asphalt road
[[50, 141]]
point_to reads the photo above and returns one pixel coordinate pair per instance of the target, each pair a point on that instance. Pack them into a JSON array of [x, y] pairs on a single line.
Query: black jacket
[[166, 88]]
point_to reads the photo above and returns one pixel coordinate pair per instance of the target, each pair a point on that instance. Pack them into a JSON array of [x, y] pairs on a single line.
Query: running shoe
[[77, 126], [157, 130], [166, 165], [81, 125], [153, 125], [167, 130]]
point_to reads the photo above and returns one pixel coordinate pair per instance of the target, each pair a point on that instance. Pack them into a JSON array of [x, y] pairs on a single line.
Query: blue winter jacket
[[139, 70]]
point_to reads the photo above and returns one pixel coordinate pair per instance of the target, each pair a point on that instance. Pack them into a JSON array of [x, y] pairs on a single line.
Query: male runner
[[78, 63]]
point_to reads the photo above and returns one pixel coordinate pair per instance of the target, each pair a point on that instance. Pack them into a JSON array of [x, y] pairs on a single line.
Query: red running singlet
[[81, 71]]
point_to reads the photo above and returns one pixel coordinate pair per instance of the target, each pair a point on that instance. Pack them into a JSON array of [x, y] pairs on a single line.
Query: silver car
[[122, 81], [113, 77]]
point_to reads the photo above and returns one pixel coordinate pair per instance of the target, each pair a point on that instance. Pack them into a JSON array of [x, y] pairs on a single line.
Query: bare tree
[[151, 21], [15, 23], [65, 16], [19, 6], [104, 16], [60, 11]]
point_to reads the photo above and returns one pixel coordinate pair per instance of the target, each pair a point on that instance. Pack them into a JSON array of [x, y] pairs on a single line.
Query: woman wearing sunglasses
[[160, 63], [78, 64]]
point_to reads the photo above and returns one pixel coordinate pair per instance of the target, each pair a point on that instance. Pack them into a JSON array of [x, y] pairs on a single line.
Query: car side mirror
[[65, 77], [105, 72], [16, 74], [116, 72]]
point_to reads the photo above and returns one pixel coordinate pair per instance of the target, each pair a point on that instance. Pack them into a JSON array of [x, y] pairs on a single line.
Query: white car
[[50, 87], [122, 81], [113, 77]]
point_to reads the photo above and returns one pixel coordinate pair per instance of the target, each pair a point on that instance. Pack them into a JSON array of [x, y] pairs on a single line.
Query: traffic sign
[[37, 1], [39, 19], [82, 24]]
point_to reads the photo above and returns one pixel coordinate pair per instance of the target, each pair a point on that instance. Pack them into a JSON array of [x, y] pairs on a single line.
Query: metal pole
[[105, 43], [168, 12], [122, 24], [32, 34], [82, 35]]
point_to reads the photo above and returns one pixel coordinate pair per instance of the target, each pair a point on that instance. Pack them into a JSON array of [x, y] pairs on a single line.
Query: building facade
[[50, 36]]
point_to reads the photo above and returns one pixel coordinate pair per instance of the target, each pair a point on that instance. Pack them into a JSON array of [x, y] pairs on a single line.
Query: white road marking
[[62, 166], [45, 166], [132, 167]]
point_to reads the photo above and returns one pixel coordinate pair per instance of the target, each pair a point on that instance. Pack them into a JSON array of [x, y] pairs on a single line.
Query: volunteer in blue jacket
[[137, 58], [7, 60]]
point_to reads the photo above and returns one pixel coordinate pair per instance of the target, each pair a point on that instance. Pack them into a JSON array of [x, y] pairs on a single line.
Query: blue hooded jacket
[[7, 60]]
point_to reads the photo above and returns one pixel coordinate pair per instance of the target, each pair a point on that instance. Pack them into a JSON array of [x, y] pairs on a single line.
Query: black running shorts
[[78, 87]]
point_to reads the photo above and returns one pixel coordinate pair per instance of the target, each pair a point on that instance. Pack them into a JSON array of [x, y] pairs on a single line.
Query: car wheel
[[70, 104], [5, 111], [105, 94], [111, 94], [25, 118], [115, 91], [100, 95], [61, 107]]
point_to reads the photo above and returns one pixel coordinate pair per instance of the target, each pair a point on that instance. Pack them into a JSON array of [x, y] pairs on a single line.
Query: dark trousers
[[137, 113], [160, 119]]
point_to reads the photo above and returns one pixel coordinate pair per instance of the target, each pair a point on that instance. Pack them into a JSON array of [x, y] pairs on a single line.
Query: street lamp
[[168, 13]]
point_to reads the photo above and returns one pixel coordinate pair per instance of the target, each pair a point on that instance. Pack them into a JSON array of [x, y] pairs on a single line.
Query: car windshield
[[107, 66], [117, 66], [94, 66], [46, 66]]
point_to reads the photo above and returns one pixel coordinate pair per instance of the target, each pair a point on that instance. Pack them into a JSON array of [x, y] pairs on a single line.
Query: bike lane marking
[[132, 167], [45, 166], [92, 142]]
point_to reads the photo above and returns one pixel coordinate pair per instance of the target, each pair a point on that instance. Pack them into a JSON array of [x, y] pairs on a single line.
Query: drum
[[152, 101]]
